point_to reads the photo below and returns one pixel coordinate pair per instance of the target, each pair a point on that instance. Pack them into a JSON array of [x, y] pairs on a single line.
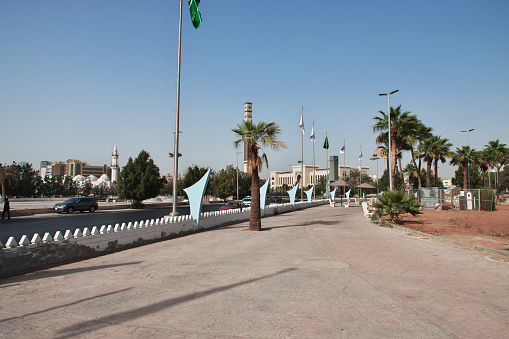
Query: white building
[[311, 177]]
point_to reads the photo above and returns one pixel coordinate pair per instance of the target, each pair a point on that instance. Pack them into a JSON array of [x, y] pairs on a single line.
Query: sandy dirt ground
[[489, 229]]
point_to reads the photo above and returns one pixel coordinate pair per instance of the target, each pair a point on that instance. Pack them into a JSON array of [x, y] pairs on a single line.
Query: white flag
[[342, 150], [301, 124], [312, 135]]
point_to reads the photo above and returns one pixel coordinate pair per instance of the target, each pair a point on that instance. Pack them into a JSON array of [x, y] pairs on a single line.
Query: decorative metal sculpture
[[195, 194], [292, 193]]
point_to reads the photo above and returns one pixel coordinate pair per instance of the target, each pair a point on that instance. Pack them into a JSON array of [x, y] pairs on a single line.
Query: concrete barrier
[[31, 254]]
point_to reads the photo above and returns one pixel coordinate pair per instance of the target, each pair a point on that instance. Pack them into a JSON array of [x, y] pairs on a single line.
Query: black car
[[77, 204], [275, 199]]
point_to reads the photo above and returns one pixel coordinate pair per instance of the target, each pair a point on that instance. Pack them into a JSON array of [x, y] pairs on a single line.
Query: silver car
[[247, 201]]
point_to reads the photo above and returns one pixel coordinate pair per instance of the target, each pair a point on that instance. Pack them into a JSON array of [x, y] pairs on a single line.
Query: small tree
[[255, 137], [6, 175], [225, 183], [393, 204], [192, 175], [139, 180]]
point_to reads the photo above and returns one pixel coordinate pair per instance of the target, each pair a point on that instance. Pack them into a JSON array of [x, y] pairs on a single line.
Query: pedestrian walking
[[6, 209]]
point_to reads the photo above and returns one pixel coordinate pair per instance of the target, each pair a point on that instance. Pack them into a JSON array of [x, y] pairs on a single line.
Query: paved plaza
[[317, 273]]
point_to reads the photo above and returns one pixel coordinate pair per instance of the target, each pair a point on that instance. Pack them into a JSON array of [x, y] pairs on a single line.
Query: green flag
[[195, 13], [326, 143]]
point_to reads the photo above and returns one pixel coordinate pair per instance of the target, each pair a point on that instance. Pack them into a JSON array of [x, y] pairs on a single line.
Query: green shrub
[[393, 204], [488, 200]]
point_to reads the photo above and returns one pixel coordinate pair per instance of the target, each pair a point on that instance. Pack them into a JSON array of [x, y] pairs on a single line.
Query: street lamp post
[[388, 95], [375, 157], [468, 165], [176, 142]]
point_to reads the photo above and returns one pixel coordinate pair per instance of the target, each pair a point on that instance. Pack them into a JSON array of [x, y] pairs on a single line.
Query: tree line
[[25, 182], [409, 134]]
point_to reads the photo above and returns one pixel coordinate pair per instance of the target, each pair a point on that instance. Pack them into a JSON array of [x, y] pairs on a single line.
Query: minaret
[[114, 164], [248, 116]]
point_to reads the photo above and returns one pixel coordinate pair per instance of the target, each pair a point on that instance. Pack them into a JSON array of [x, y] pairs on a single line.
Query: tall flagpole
[[344, 165], [344, 154], [314, 169], [302, 161], [327, 188], [176, 144], [360, 167]]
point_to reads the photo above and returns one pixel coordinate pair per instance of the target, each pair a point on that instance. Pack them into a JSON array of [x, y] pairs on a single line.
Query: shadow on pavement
[[65, 305], [55, 273], [84, 327]]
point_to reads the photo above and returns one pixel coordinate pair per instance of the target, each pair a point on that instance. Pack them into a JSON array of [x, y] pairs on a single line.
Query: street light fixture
[[375, 157], [388, 95], [468, 144]]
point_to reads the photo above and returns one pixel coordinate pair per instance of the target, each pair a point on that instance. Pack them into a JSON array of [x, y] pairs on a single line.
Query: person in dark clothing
[[6, 209]]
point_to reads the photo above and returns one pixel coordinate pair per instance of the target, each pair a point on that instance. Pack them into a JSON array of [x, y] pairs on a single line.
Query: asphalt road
[[42, 223]]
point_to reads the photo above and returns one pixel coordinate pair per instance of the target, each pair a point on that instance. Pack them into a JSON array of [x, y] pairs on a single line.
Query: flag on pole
[[326, 143], [312, 135], [195, 13], [342, 150], [301, 124], [360, 155]]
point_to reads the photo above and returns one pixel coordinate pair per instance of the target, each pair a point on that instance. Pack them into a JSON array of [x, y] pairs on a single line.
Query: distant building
[[447, 182], [310, 177], [81, 171], [49, 169], [76, 167]]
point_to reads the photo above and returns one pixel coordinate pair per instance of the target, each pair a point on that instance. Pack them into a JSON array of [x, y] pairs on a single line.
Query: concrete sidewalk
[[321, 272]]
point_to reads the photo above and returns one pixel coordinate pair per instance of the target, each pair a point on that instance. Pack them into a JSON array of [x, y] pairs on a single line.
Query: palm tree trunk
[[489, 176], [428, 173], [465, 176], [393, 156], [2, 182], [497, 185], [401, 172], [255, 222], [416, 168], [436, 172]]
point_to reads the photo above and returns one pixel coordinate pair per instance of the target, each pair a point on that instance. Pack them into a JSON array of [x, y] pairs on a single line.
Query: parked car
[[77, 204], [231, 205], [247, 201], [275, 198]]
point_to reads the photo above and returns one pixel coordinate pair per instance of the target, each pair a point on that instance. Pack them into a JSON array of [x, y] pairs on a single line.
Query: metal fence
[[453, 198]]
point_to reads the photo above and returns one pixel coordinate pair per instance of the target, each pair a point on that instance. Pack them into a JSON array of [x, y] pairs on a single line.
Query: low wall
[[30, 254]]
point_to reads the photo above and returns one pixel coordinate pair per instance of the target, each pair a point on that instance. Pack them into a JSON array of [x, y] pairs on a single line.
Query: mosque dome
[[92, 178], [104, 178], [79, 177]]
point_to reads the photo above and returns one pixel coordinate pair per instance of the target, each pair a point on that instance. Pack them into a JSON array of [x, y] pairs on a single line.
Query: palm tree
[[463, 156], [500, 157], [400, 121], [482, 161], [426, 148], [414, 135], [6, 173], [424, 132], [441, 151], [411, 171], [256, 136]]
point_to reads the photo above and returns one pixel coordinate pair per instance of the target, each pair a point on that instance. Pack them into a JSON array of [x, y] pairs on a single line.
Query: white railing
[[52, 249]]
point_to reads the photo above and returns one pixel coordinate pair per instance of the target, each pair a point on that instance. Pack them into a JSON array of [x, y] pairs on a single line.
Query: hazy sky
[[76, 76]]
